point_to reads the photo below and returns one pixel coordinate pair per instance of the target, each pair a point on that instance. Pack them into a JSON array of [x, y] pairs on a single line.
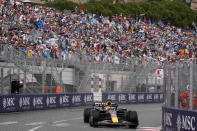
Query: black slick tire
[[86, 115], [133, 117], [94, 118]]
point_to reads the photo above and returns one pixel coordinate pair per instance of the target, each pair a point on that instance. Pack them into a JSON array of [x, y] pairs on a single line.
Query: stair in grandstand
[[9, 55]]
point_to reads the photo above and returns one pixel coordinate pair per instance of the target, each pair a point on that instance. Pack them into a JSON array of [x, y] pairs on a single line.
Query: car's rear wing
[[102, 104]]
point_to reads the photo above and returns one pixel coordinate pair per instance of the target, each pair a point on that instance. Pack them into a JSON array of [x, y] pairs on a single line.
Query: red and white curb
[[149, 129]]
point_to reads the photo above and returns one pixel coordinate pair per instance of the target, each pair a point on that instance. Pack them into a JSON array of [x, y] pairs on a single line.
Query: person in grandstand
[[46, 32]]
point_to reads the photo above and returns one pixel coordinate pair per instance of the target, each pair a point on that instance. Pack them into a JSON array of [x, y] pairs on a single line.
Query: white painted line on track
[[62, 125], [59, 121], [148, 129], [77, 118], [8, 123], [35, 128], [35, 123]]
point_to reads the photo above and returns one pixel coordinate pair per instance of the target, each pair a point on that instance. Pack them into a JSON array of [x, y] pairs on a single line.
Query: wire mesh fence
[[78, 73], [181, 86]]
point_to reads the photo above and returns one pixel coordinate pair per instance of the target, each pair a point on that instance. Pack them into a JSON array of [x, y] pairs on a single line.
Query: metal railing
[[129, 75]]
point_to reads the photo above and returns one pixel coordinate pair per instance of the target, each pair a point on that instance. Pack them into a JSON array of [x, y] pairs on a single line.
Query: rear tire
[[86, 115], [132, 117]]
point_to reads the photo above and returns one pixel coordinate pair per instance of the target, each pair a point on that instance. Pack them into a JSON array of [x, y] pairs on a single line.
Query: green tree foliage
[[174, 12]]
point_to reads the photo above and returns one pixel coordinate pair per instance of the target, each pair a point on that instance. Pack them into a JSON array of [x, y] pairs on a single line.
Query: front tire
[[94, 118], [86, 115]]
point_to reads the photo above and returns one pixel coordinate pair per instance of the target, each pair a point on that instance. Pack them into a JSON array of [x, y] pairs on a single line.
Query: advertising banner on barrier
[[25, 102], [132, 98], [39, 102], [64, 100], [161, 97], [76, 99], [179, 120], [22, 102], [156, 97], [87, 99], [110, 96], [149, 97], [123, 98], [52, 101], [126, 98], [141, 97], [9, 103]]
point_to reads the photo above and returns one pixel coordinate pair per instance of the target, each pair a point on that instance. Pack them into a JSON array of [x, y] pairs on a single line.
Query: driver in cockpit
[[107, 105]]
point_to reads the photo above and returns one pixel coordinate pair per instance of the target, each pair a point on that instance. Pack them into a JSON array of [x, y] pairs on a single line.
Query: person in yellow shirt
[[16, 43], [186, 51], [29, 53], [132, 29]]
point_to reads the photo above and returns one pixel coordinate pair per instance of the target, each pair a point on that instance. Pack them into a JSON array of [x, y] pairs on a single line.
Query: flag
[[159, 73]]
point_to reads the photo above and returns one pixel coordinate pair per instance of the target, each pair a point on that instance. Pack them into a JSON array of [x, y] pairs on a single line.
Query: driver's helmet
[[107, 104]]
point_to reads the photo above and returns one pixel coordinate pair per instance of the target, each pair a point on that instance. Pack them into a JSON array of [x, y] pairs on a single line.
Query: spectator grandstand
[[46, 32]]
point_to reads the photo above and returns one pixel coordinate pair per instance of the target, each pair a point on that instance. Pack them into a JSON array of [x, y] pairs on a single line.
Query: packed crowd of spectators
[[42, 31]]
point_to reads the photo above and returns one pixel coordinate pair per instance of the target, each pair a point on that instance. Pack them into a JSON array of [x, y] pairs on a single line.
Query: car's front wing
[[110, 123]]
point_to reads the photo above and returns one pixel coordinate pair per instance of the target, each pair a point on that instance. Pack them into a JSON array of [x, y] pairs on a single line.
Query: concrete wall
[[67, 76]]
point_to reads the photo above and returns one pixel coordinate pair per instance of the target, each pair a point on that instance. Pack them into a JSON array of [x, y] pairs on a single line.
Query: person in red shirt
[[184, 100]]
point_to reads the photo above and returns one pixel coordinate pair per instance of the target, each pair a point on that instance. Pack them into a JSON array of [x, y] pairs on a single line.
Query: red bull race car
[[108, 114]]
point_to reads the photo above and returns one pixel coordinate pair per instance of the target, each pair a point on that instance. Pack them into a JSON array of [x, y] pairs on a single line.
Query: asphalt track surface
[[71, 119]]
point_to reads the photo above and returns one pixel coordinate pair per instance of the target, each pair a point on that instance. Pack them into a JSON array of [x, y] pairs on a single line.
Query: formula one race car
[[108, 114]]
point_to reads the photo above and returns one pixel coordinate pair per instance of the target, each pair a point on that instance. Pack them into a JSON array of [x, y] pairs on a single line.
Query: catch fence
[[74, 72], [181, 85]]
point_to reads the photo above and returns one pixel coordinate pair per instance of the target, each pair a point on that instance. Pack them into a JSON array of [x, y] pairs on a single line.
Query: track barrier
[[22, 102], [174, 119]]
